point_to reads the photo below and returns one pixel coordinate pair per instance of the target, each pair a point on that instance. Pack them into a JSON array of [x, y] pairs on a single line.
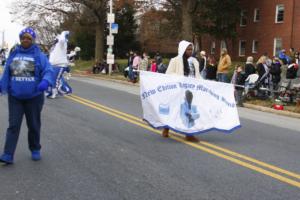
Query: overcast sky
[[10, 29]]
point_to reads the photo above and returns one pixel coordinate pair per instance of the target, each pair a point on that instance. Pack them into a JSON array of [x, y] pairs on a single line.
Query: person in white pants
[[59, 60]]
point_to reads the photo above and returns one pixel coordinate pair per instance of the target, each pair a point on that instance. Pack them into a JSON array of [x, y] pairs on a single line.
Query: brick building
[[266, 26]]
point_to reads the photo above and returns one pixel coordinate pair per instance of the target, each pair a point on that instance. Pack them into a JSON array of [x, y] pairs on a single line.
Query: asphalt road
[[92, 152]]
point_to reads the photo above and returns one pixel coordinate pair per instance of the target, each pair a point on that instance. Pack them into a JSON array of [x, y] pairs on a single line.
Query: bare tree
[[185, 9], [47, 16]]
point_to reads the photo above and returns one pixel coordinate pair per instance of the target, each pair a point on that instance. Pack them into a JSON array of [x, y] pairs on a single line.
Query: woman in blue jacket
[[26, 76]]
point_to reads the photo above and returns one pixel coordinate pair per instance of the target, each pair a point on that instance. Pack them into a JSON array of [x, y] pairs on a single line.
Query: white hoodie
[[176, 64], [58, 56]]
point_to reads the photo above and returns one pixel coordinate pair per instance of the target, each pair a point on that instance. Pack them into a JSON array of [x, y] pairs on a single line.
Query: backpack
[[275, 69], [291, 72], [161, 68]]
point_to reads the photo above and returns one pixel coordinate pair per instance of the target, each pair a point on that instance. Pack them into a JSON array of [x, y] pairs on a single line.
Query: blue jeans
[[222, 77], [130, 72], [32, 109]]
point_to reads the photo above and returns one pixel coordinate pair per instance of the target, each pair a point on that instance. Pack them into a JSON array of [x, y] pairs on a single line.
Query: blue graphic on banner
[[164, 109]]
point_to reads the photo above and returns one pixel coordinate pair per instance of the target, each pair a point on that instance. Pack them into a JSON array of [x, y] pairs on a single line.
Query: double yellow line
[[280, 174]]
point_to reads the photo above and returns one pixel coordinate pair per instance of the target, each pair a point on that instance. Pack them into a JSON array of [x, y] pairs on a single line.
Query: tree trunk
[[199, 40], [186, 31], [99, 50]]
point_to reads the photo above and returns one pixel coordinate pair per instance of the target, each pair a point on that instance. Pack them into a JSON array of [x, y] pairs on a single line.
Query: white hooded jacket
[[176, 64], [58, 56]]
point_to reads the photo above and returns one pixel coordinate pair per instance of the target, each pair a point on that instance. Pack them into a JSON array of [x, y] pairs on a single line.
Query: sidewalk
[[122, 80], [114, 78]]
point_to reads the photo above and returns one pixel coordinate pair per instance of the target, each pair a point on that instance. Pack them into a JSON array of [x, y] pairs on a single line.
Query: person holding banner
[[184, 65], [26, 76]]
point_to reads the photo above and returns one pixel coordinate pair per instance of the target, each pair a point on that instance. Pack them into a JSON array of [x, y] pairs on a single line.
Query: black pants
[[32, 109]]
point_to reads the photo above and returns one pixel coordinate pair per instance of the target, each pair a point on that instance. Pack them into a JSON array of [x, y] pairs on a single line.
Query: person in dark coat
[[292, 70], [240, 81], [263, 70], [211, 68], [275, 72], [249, 67]]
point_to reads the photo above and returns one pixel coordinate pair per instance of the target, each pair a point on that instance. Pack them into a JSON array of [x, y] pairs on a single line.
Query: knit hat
[[28, 31], [202, 53], [249, 60]]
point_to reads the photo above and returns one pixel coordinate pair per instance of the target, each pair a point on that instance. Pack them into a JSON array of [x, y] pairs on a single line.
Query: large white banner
[[187, 105]]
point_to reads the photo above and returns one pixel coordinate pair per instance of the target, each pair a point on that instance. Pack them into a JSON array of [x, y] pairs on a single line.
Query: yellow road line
[[263, 164], [203, 148], [242, 163], [110, 109]]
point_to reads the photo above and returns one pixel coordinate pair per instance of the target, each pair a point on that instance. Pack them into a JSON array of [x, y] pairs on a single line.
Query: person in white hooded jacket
[[185, 65], [59, 60]]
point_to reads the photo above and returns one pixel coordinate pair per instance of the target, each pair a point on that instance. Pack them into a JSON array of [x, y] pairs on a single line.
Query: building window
[[256, 15], [242, 48], [223, 45], [254, 46], [277, 46], [243, 20], [213, 48], [279, 13]]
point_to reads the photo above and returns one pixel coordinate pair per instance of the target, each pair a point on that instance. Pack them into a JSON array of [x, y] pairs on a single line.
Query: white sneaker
[[54, 93]]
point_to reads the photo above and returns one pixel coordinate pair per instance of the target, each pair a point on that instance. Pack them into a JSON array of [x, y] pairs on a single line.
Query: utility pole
[[110, 38]]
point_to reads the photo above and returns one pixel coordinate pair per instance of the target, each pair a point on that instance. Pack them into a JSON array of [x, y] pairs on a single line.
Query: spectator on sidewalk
[[291, 54], [136, 67], [27, 75], [144, 62], [130, 58], [153, 66], [275, 72], [160, 66], [249, 67], [297, 57], [292, 70], [96, 67], [211, 68], [284, 58], [158, 58], [263, 71], [238, 79], [129, 64], [223, 66], [203, 63]]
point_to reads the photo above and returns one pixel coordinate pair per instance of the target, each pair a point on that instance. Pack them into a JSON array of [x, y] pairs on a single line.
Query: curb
[[246, 105], [271, 110], [83, 74]]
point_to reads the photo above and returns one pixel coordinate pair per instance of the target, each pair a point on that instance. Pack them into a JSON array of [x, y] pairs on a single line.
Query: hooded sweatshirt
[[24, 70], [176, 64], [58, 56]]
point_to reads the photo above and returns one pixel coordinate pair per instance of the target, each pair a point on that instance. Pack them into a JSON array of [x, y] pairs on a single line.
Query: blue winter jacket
[[24, 70]]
